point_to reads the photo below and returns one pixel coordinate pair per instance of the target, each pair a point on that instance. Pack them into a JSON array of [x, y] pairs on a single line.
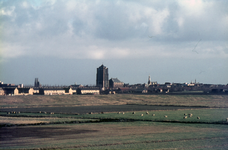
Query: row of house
[[48, 91]]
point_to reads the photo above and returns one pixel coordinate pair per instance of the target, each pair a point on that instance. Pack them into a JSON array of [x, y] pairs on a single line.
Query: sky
[[63, 42]]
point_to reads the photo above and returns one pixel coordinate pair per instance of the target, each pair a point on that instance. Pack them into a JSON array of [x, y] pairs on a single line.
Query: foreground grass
[[123, 135]]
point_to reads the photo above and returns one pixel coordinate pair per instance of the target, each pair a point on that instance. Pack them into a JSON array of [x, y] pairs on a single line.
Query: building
[[18, 91], [2, 91], [10, 90], [88, 90], [56, 91], [150, 82], [115, 83], [102, 77], [25, 91]]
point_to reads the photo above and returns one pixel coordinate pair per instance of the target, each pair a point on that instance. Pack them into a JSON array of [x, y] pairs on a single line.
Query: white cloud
[[25, 4], [191, 6], [7, 11], [159, 20], [95, 53]]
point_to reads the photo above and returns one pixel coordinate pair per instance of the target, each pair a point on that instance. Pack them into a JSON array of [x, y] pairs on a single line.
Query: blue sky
[[63, 41]]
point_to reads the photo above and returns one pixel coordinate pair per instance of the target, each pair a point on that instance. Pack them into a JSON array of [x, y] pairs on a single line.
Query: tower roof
[[102, 66]]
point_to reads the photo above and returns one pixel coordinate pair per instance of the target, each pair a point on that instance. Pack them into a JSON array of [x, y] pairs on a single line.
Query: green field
[[205, 128]]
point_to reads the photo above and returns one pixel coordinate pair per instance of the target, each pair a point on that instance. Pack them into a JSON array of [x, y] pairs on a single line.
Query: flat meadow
[[187, 122]]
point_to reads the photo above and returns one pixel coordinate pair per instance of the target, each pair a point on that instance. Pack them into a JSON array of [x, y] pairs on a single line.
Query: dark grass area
[[98, 109]]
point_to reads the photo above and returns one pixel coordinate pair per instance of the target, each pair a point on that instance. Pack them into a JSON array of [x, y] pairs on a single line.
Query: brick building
[[115, 83]]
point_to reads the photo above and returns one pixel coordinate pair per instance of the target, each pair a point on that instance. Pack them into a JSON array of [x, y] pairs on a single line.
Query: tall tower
[[102, 77], [37, 83]]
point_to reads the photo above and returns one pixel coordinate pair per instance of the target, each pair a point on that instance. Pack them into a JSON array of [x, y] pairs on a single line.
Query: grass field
[[204, 115], [116, 130]]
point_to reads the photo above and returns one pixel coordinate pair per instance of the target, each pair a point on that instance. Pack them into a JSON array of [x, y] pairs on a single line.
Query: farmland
[[114, 122]]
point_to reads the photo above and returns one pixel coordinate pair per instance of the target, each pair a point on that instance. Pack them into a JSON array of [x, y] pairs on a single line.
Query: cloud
[[114, 29]]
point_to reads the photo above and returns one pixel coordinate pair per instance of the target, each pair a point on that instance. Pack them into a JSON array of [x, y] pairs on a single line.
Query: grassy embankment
[[118, 99]]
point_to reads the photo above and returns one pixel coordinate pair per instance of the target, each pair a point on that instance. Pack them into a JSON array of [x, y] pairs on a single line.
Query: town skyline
[[37, 81]]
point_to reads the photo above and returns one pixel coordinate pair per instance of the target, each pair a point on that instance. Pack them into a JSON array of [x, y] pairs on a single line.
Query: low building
[[88, 90], [51, 91], [56, 91], [11, 90]]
